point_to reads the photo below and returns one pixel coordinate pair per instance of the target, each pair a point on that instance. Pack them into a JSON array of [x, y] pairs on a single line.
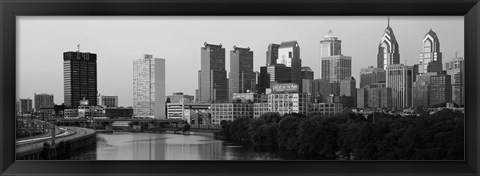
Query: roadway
[[68, 133]]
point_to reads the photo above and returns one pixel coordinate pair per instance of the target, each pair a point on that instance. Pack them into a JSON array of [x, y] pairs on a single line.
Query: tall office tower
[[320, 89], [107, 101], [455, 69], [362, 97], [330, 46], [388, 49], [26, 106], [375, 95], [279, 73], [440, 89], [79, 78], [415, 71], [241, 77], [263, 80], [348, 87], [421, 89], [399, 78], [307, 73], [372, 75], [430, 57], [149, 87], [212, 78], [335, 66], [43, 102], [272, 54], [289, 55]]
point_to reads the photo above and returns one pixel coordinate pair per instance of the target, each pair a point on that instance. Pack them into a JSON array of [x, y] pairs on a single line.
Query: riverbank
[[196, 133]]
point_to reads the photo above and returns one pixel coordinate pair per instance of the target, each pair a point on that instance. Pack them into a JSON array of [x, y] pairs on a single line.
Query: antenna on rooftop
[[78, 47]]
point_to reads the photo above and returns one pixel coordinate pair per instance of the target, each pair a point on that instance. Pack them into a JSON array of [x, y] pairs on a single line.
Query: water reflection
[[149, 146]]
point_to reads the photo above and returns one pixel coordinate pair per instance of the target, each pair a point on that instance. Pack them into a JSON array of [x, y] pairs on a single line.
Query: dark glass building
[[272, 54], [241, 77], [307, 73], [372, 75], [212, 78], [79, 78]]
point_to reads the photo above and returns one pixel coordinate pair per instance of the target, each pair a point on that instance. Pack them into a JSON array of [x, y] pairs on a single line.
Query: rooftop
[[289, 44]]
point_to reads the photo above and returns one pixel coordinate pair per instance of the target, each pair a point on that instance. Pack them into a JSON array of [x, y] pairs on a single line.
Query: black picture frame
[[9, 9]]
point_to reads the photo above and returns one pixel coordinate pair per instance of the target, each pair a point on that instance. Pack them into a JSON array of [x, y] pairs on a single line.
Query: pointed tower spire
[[388, 19]]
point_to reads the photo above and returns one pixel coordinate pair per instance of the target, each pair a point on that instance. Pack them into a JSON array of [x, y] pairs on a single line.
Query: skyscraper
[[241, 77], [149, 87], [372, 75], [43, 101], [212, 78], [79, 78], [335, 66], [279, 73], [430, 57], [440, 89], [455, 69], [289, 55], [421, 89], [44, 104], [399, 78], [26, 105], [272, 54], [330, 46], [388, 49], [263, 80], [307, 73], [348, 88]]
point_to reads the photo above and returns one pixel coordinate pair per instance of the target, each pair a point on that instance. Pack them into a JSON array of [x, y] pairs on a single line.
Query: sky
[[118, 41]]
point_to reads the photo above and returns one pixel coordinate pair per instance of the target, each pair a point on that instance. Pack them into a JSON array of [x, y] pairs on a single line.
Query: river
[[153, 146]]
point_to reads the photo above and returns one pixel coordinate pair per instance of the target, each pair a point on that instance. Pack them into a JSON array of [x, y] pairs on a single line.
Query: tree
[[239, 130], [185, 128]]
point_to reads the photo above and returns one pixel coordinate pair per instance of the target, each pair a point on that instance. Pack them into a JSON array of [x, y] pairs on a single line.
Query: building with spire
[[241, 77], [430, 57], [388, 49], [335, 66], [212, 78], [331, 46]]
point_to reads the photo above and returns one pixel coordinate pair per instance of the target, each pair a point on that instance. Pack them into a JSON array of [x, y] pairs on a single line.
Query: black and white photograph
[[314, 88]]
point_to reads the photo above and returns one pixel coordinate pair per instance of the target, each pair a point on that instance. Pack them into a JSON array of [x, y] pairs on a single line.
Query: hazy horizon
[[118, 41]]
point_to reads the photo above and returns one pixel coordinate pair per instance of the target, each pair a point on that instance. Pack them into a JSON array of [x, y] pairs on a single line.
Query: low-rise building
[[119, 112], [250, 97], [231, 111], [259, 109], [325, 108], [187, 111]]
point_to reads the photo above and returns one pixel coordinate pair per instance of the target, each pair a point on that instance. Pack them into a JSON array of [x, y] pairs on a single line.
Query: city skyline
[[362, 51]]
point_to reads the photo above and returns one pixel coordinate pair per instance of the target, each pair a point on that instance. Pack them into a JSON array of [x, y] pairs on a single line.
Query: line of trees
[[379, 136]]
